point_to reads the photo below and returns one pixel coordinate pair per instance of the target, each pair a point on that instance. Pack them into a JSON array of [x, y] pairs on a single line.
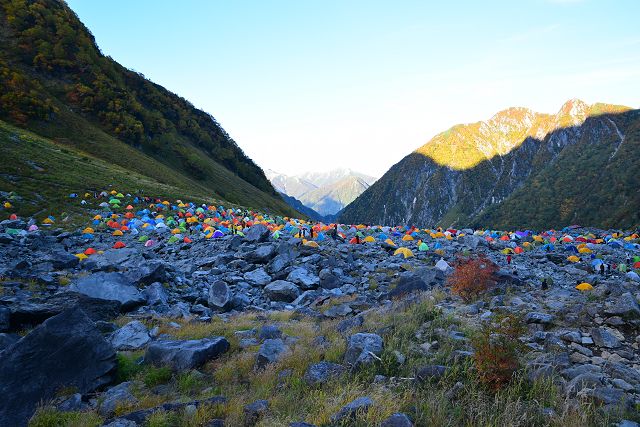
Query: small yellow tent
[[406, 252]]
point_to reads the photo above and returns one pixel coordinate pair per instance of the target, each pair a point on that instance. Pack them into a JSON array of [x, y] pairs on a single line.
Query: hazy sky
[[310, 85]]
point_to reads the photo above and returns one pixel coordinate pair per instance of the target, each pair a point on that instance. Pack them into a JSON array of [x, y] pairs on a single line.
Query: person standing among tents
[[509, 259]]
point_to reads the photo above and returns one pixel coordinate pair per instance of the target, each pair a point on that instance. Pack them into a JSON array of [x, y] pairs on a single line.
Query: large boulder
[[602, 337], [28, 313], [261, 255], [301, 276], [270, 352], [150, 272], [281, 290], [220, 296], [132, 336], [112, 287], [257, 277], [363, 349], [67, 350], [408, 284], [183, 355], [257, 233], [155, 294], [624, 306]]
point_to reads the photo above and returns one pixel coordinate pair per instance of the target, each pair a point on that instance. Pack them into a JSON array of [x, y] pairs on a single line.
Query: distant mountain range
[[518, 169], [324, 192]]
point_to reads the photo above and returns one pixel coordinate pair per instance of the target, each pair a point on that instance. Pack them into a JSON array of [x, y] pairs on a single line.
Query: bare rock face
[[67, 350]]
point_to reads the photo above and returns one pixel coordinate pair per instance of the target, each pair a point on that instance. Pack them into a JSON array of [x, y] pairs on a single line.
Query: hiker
[[310, 231], [602, 269], [545, 284], [509, 259]]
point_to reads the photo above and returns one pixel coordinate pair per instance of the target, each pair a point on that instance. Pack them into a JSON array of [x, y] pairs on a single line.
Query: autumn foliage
[[472, 276], [496, 349]]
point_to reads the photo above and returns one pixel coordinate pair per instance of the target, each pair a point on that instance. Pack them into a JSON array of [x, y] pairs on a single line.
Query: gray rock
[[408, 284], [132, 336], [183, 355], [8, 339], [71, 403], [147, 273], [624, 306], [269, 332], [257, 277], [254, 411], [619, 370], [110, 286], [352, 410], [583, 381], [65, 351], [540, 318], [140, 417], [220, 295], [330, 281], [261, 255], [397, 420], [431, 372], [609, 396], [339, 310], [320, 373], [281, 290], [363, 349], [603, 338], [270, 352], [257, 233], [110, 399], [155, 294], [301, 276], [61, 260]]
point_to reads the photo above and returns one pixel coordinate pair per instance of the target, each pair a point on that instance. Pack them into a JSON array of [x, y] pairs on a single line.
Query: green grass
[[43, 173], [403, 328]]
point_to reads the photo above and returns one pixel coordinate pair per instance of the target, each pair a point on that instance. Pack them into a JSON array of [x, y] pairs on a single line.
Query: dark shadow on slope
[[584, 174]]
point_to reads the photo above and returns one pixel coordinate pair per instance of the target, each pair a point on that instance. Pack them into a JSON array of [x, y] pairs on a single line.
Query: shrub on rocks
[[472, 277], [497, 348]]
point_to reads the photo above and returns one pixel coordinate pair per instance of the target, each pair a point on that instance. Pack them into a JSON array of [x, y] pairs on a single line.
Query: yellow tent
[[406, 252], [389, 242], [573, 258], [584, 286], [407, 237], [117, 233], [312, 244], [369, 239], [585, 250]]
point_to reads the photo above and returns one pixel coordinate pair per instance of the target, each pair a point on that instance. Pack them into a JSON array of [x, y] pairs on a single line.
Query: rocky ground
[[247, 329]]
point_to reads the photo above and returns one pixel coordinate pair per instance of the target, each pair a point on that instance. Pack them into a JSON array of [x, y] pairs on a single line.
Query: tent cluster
[[149, 220]]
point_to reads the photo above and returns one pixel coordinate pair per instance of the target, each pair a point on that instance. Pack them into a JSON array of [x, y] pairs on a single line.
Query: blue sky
[[311, 85]]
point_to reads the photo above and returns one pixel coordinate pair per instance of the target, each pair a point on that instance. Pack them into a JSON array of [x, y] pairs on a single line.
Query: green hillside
[[55, 82]]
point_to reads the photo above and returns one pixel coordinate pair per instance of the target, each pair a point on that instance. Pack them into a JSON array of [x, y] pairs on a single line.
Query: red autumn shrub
[[472, 276], [496, 349]]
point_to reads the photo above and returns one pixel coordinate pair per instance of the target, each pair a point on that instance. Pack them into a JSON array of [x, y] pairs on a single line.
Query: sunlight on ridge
[[467, 145]]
